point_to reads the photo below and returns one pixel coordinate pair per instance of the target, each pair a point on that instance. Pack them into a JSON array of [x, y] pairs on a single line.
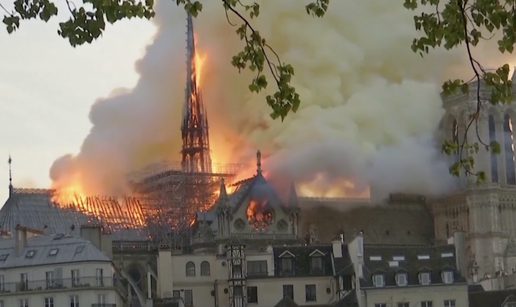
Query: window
[[286, 265], [237, 291], [24, 278], [378, 280], [316, 265], [49, 302], [2, 303], [74, 301], [49, 277], [257, 268], [494, 158], [380, 305], [30, 254], [176, 293], [447, 255], [75, 278], [99, 277], [2, 284], [404, 304], [310, 293], [449, 303], [190, 268], [101, 299], [237, 270], [401, 279], [424, 278], [398, 258], [447, 277], [509, 150], [53, 252], [24, 302], [205, 268], [188, 298], [3, 257], [288, 291], [426, 304], [252, 295], [423, 257], [375, 258], [79, 249]]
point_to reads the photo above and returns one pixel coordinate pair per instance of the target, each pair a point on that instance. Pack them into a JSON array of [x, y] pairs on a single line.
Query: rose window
[[259, 214]]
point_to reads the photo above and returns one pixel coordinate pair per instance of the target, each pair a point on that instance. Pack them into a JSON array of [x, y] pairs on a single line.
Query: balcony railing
[[103, 305], [62, 284]]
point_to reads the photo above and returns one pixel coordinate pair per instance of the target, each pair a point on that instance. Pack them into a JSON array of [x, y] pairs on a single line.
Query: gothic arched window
[[205, 268], [494, 158], [190, 268], [455, 138], [509, 150]]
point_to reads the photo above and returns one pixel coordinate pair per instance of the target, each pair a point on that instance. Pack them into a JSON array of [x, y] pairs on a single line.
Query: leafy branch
[[460, 22], [87, 22]]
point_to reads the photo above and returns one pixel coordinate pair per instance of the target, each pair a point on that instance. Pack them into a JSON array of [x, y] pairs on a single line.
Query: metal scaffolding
[[171, 197]]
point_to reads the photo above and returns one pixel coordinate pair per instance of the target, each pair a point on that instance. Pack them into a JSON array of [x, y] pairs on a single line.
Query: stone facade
[[485, 212]]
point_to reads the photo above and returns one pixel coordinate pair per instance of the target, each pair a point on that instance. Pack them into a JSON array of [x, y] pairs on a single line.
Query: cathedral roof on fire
[[33, 208], [256, 186]]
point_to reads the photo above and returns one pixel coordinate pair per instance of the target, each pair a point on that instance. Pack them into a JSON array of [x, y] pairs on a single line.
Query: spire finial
[[10, 161], [258, 162]]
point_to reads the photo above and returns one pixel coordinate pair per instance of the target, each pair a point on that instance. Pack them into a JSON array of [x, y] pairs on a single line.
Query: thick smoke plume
[[370, 106]]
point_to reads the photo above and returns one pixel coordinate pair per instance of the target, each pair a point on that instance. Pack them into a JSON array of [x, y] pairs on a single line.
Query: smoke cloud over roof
[[370, 106]]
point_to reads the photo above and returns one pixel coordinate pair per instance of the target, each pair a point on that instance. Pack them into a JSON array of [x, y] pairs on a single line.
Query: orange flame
[[258, 214], [199, 62], [69, 193]]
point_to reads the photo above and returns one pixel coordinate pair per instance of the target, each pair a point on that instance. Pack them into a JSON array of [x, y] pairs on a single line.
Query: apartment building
[[54, 271], [407, 276]]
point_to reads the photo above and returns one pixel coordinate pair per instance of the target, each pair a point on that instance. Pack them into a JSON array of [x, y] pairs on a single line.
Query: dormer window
[[53, 252], [316, 262], [316, 265], [30, 254], [287, 262], [447, 277], [379, 280], [401, 279], [424, 278]]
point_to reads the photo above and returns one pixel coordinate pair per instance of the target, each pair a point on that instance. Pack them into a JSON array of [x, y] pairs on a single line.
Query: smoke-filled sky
[[369, 105]]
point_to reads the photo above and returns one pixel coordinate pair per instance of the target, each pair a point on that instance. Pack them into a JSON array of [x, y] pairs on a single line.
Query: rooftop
[[47, 250], [390, 260]]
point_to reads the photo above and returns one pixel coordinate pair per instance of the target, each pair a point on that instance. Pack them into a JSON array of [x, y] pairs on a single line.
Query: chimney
[[21, 234], [102, 240], [337, 248]]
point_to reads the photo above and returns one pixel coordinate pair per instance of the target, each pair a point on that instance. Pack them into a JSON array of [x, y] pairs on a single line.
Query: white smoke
[[369, 104]]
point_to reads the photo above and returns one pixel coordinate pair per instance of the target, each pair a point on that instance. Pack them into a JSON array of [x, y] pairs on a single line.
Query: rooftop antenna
[[10, 161]]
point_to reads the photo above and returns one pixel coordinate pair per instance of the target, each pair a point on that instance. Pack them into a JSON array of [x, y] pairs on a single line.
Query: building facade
[[485, 212], [58, 270], [406, 276]]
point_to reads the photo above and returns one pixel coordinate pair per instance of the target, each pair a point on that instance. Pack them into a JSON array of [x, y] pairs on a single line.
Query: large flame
[[69, 192]]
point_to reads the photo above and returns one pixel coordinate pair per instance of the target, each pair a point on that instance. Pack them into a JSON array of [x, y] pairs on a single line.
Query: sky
[[47, 88]]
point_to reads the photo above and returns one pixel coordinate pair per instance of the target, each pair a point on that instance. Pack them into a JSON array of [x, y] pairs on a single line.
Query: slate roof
[[380, 259], [350, 300], [33, 208], [408, 222], [38, 251], [491, 298], [301, 256]]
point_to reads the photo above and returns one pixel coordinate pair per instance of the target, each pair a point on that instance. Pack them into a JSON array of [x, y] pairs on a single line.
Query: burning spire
[[194, 126]]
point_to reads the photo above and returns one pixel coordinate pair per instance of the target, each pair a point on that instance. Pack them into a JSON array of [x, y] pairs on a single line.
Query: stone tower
[[485, 212], [194, 127]]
